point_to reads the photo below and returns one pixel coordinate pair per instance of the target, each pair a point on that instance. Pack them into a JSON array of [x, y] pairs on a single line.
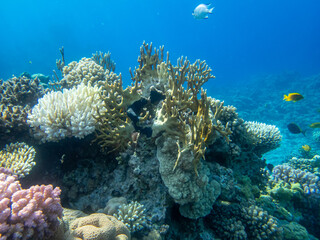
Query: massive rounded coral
[[98, 226]]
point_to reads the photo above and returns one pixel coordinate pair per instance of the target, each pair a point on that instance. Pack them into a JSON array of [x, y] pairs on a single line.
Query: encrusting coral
[[66, 114], [18, 157]]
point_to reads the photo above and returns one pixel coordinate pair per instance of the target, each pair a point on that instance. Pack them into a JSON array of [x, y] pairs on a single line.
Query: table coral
[[264, 137], [27, 213], [19, 158]]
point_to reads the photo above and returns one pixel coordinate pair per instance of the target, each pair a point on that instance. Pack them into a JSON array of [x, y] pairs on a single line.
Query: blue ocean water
[[239, 39]]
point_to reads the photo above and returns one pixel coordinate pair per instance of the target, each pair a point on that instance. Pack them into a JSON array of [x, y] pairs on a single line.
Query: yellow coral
[[98, 226], [18, 157]]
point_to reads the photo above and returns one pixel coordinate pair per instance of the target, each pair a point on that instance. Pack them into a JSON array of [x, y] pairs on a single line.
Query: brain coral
[[98, 226], [65, 114]]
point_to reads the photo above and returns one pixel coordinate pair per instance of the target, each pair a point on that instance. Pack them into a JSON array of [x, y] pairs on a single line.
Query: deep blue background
[[240, 38]]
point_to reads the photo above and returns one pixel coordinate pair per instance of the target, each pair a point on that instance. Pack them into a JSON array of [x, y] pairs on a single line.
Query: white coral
[[65, 114], [265, 137]]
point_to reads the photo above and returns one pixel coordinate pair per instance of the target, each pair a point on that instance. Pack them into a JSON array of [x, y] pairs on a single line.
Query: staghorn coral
[[132, 215], [264, 137], [66, 114], [114, 129], [104, 60], [19, 158], [98, 226], [182, 115], [27, 213], [152, 70]]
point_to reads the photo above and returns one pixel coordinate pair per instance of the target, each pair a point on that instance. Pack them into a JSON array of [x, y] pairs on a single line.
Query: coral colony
[[174, 163]]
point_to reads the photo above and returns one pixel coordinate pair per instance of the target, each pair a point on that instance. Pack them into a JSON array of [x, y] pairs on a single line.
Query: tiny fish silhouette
[[315, 125], [295, 129]]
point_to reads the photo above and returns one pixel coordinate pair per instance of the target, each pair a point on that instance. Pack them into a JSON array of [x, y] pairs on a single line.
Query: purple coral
[[309, 181], [27, 213]]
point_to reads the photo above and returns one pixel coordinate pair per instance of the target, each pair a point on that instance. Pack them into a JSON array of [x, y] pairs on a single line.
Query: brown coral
[[98, 226]]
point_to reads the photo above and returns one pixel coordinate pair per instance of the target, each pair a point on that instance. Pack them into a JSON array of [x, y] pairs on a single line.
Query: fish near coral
[[293, 97], [306, 148], [202, 11], [295, 129], [315, 125]]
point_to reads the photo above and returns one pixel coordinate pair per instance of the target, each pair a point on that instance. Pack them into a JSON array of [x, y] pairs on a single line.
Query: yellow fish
[[306, 147], [293, 97], [315, 125]]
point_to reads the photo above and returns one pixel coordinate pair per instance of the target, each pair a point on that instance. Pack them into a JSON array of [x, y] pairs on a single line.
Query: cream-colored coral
[[264, 137], [85, 71], [18, 157], [98, 226], [65, 114]]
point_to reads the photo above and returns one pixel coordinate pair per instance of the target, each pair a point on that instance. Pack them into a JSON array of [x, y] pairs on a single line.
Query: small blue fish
[[202, 11]]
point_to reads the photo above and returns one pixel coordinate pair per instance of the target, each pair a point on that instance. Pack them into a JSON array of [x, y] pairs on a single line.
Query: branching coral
[[236, 222], [115, 128], [20, 91], [66, 114], [17, 96], [183, 116], [27, 213], [85, 71], [104, 60], [18, 157], [309, 181], [132, 215], [148, 72], [310, 165]]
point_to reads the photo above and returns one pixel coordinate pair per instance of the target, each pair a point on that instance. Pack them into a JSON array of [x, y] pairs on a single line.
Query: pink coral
[[27, 213]]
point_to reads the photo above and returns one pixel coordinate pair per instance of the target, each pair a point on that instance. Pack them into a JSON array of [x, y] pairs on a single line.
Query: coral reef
[[27, 213], [98, 226], [66, 114], [175, 163], [18, 157], [132, 215]]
